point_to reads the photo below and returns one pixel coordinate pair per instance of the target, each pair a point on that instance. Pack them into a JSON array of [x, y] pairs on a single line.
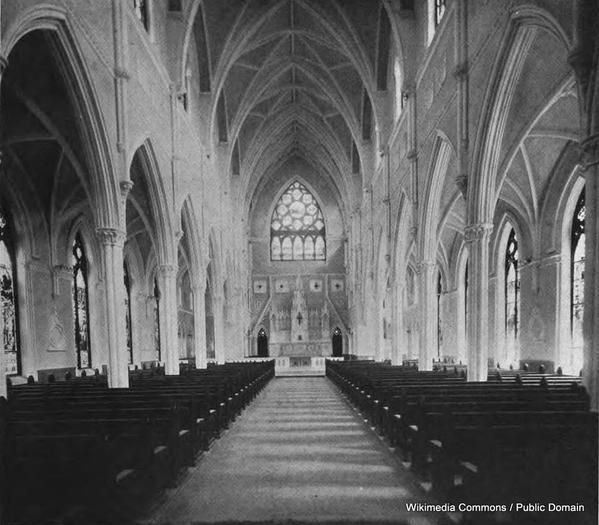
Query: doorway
[[262, 343], [337, 343]]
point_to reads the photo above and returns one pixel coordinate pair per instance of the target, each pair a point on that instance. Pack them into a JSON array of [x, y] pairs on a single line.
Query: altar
[[293, 366]]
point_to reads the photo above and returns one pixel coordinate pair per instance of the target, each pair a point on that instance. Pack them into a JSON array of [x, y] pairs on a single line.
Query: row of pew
[[518, 438], [78, 452]]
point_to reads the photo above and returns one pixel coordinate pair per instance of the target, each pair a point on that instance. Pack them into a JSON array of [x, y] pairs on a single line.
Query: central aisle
[[301, 453]]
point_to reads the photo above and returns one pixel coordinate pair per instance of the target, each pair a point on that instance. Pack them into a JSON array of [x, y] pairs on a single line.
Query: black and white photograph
[[296, 262]]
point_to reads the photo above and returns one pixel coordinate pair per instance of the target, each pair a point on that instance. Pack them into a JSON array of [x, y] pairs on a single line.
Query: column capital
[[589, 151], [426, 266], [62, 268], [111, 236], [167, 270], [126, 186], [199, 288], [478, 232]]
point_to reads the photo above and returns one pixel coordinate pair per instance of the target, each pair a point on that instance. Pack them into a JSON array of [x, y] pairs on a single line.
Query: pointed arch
[[443, 152], [190, 227], [513, 51], [297, 216], [161, 214], [98, 153]]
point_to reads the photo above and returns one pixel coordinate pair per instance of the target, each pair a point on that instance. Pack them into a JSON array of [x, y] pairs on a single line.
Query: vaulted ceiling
[[293, 78]]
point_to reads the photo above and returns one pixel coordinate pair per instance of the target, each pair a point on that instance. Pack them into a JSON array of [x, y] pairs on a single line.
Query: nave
[[300, 453]]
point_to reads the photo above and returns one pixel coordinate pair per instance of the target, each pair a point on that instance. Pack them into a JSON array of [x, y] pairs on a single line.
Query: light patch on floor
[[299, 452]]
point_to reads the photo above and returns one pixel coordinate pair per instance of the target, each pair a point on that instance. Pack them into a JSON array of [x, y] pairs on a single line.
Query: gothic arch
[[160, 210], [515, 46], [190, 227], [105, 191], [443, 152], [195, 6]]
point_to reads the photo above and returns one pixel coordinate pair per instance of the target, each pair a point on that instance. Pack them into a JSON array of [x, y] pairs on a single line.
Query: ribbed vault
[[293, 77]]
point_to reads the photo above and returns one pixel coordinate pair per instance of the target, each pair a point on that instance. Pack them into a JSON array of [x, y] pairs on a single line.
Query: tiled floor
[[298, 453]]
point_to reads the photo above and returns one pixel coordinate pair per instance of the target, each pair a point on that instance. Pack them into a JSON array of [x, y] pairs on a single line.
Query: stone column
[[399, 343], [199, 324], [591, 273], [428, 314], [477, 237], [167, 286], [219, 328], [111, 242], [3, 389]]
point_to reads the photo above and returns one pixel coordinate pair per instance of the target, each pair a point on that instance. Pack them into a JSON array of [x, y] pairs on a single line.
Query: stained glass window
[[127, 294], [156, 305], [10, 339], [466, 298], [439, 319], [140, 7], [439, 10], [81, 304], [577, 279], [297, 231], [512, 296]]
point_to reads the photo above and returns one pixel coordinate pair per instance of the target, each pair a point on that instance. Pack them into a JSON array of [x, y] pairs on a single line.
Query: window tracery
[[297, 229], [81, 304], [577, 265], [512, 295], [127, 284], [8, 300]]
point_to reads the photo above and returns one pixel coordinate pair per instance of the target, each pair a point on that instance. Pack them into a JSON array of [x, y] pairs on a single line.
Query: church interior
[[299, 261]]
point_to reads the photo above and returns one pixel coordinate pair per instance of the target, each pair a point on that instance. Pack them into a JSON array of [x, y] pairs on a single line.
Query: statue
[[299, 313]]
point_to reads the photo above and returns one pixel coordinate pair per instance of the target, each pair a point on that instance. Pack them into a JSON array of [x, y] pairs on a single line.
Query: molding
[[126, 187], [122, 73], [477, 232], [110, 236], [167, 270]]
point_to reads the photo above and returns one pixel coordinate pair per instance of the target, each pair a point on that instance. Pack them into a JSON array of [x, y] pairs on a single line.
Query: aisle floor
[[298, 453]]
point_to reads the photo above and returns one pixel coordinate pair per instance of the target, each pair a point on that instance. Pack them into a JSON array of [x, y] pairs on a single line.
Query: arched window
[[466, 299], [577, 253], [512, 295], [157, 349], [439, 320], [140, 8], [398, 78], [10, 336], [440, 6], [81, 304], [297, 231], [127, 283]]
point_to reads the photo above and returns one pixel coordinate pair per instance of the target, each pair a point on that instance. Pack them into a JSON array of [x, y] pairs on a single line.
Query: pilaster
[[111, 241], [477, 238], [167, 286], [199, 324], [219, 328], [428, 314]]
